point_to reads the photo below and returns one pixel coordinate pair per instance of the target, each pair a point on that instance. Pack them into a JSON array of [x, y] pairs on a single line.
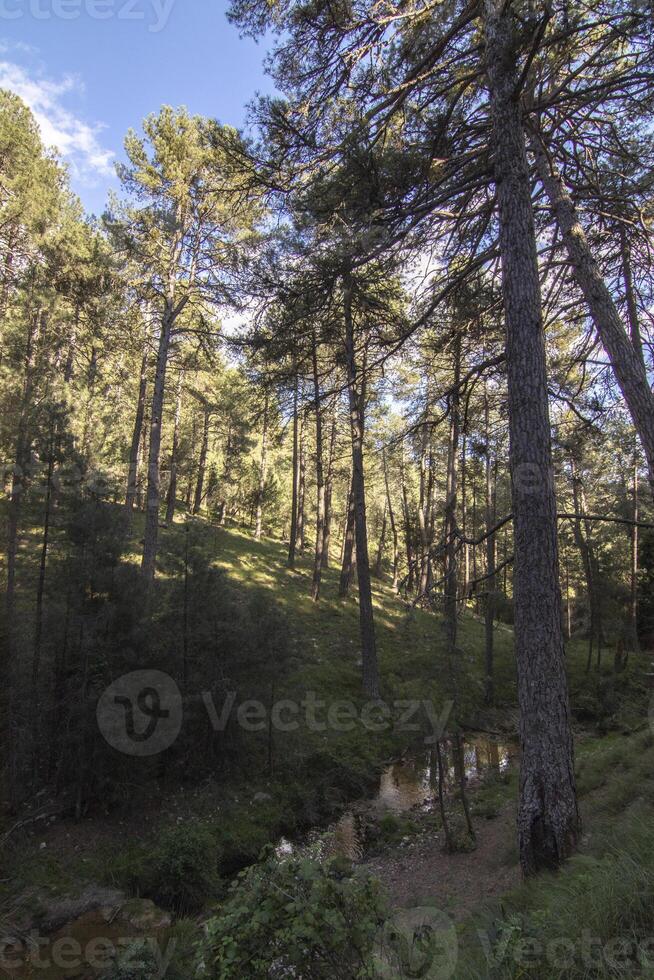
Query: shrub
[[137, 961], [298, 918], [179, 871]]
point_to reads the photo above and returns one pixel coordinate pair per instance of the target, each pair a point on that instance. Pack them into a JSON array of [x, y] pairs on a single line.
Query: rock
[[144, 915], [261, 798], [56, 913]]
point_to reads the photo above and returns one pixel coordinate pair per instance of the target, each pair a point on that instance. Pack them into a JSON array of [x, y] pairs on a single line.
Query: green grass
[[601, 904]]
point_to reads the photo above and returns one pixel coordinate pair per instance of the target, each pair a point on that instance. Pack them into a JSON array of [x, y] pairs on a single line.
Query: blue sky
[[90, 69]]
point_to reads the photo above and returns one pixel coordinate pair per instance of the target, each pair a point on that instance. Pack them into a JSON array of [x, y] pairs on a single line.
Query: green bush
[[593, 919], [137, 961], [298, 917], [178, 871]]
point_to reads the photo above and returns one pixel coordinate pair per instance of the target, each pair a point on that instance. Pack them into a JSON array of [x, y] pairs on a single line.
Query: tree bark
[[630, 296], [548, 818], [38, 618], [450, 604], [382, 543], [491, 561], [391, 518], [406, 513], [302, 484], [633, 585], [348, 546], [171, 499], [263, 468], [329, 491], [586, 551], [132, 477], [149, 559], [320, 480], [626, 361], [357, 401], [202, 463], [292, 544]]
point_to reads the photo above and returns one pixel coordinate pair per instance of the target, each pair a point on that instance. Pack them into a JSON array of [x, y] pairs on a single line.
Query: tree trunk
[[357, 402], [423, 512], [292, 544], [320, 480], [263, 469], [548, 818], [630, 296], [132, 477], [202, 463], [302, 484], [149, 559], [329, 491], [627, 363], [585, 546], [171, 499], [491, 552], [406, 513], [391, 518], [382, 544], [348, 546], [450, 604], [465, 583], [633, 590]]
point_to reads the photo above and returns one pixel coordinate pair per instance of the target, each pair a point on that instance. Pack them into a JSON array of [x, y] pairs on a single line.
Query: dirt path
[[458, 883]]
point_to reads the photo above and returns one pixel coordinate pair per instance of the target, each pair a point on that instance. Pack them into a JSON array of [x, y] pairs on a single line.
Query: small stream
[[407, 784]]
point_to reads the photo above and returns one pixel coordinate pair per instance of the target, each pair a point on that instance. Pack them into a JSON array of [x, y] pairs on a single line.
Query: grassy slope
[[325, 644]]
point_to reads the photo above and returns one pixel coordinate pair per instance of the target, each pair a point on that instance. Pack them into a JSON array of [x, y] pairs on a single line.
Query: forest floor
[[60, 855]]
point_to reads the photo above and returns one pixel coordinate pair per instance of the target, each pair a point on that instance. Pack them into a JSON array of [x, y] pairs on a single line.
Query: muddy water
[[409, 783], [413, 781], [81, 950]]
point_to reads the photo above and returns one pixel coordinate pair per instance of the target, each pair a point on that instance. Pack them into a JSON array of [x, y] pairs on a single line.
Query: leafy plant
[[296, 916]]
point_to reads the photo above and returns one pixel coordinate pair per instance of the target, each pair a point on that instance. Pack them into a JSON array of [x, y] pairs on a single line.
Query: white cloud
[[77, 141]]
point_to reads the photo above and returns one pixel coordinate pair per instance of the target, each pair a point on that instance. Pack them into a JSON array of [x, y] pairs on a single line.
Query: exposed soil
[[416, 872]]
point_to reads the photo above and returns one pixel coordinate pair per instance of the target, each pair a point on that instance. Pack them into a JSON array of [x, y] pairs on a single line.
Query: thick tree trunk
[[406, 514], [633, 590], [38, 617], [391, 518], [348, 546], [171, 499], [630, 296], [382, 544], [450, 604], [263, 468], [586, 551], [626, 360], [320, 480], [132, 477], [465, 580], [491, 561], [302, 485], [292, 544], [329, 492], [424, 506], [357, 401], [149, 559], [548, 818], [202, 463]]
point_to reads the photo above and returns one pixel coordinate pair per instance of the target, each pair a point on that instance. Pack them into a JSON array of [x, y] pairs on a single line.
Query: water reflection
[[413, 781], [410, 782]]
